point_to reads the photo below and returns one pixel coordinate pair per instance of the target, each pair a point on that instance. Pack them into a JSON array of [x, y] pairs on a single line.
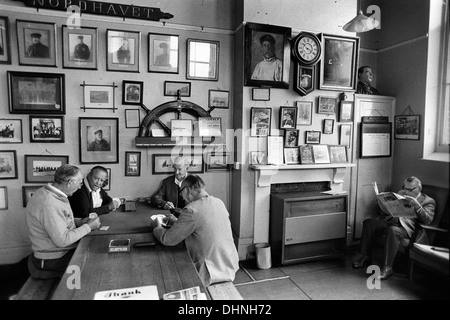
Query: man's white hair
[[181, 161]]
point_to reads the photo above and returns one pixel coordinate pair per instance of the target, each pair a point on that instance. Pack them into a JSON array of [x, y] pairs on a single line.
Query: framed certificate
[[209, 127]]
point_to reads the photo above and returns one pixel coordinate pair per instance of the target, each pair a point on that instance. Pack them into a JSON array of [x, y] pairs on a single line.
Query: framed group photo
[[132, 92], [99, 140], [8, 164], [202, 60], [304, 113], [31, 92], [80, 46], [132, 164], [47, 129], [123, 48], [288, 117], [11, 131], [42, 168], [163, 55], [267, 42], [218, 99], [36, 42], [407, 127], [5, 44], [260, 122], [339, 63]]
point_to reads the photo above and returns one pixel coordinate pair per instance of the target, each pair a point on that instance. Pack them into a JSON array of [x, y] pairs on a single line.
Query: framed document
[[209, 127], [261, 94], [376, 139], [275, 150], [181, 128]]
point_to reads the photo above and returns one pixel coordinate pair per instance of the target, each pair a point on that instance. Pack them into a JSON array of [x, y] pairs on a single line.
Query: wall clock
[[306, 48]]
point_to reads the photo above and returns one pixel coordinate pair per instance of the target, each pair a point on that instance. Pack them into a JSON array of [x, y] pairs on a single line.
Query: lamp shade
[[361, 23]]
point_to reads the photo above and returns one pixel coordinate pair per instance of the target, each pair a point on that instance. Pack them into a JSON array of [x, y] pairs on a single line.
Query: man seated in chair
[[395, 228]]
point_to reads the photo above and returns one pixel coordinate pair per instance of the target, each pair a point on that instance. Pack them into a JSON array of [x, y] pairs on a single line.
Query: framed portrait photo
[[47, 129], [11, 131], [5, 44], [312, 137], [163, 55], [218, 161], [132, 118], [288, 117], [132, 164], [326, 105], [181, 128], [260, 122], [8, 164], [304, 113], [219, 99], [80, 47], [209, 127], [338, 65], [261, 94], [306, 156], [97, 96], [290, 138], [99, 140], [321, 153], [291, 156], [27, 193], [36, 42], [407, 127], [263, 42], [172, 88], [328, 126], [31, 93], [258, 157], [346, 111], [42, 168], [338, 154], [304, 79], [202, 60], [132, 92], [3, 198], [123, 49]]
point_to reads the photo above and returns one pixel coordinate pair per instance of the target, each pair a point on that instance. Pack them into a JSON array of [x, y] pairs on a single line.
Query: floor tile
[[315, 266], [283, 289], [260, 274], [241, 277]]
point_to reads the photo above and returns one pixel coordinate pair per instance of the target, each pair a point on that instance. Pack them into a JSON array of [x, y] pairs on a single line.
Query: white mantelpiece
[[265, 175]]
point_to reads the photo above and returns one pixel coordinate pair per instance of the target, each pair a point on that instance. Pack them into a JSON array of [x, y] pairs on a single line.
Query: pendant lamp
[[361, 23]]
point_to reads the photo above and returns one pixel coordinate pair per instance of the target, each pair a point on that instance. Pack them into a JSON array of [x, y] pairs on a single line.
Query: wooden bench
[[224, 291], [37, 289]]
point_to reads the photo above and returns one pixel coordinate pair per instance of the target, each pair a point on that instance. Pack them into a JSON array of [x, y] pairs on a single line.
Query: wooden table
[[169, 268]]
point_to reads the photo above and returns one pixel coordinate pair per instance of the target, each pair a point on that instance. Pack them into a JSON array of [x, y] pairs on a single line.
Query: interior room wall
[[190, 16]]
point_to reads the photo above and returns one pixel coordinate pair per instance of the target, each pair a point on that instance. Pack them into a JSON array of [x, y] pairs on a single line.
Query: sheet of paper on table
[[135, 293]]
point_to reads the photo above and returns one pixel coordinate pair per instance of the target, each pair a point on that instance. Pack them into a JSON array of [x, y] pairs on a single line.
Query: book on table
[[193, 293], [394, 204], [135, 293]]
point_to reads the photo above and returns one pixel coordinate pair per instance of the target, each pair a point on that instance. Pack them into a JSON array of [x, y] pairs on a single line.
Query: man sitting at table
[[52, 228], [168, 195], [205, 227], [91, 197]]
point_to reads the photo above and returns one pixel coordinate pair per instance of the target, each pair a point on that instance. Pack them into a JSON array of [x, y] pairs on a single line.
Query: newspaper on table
[[394, 204], [193, 293]]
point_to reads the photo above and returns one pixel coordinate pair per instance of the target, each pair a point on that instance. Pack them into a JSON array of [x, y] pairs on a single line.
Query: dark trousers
[[376, 228], [58, 265]]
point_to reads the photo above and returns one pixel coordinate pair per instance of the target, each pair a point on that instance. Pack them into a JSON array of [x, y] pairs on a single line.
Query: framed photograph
[[312, 137], [80, 47], [47, 129], [290, 138], [181, 128], [31, 92], [8, 164], [304, 79], [3, 198], [339, 63], [5, 44], [218, 161], [288, 117], [27, 193], [107, 183], [202, 60], [219, 99], [123, 49], [132, 118], [291, 156], [407, 127], [171, 88], [258, 157], [42, 168], [163, 55], [163, 163], [328, 126], [306, 156], [267, 42], [327, 105], [209, 127], [260, 122], [261, 94], [345, 135], [338, 154], [11, 131], [97, 96], [36, 42], [320, 153], [99, 140], [132, 92], [346, 111], [375, 139], [132, 164], [304, 113]]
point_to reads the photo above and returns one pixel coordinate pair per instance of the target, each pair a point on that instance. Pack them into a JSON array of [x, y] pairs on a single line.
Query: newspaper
[[193, 293], [394, 204]]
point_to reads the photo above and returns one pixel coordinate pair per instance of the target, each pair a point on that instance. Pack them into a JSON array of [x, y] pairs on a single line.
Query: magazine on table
[[394, 204]]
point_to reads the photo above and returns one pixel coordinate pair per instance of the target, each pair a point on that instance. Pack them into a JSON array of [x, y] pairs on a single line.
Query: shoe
[[386, 272], [361, 262]]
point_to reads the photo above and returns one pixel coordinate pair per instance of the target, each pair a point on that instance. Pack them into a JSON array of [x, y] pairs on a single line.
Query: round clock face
[[307, 49]]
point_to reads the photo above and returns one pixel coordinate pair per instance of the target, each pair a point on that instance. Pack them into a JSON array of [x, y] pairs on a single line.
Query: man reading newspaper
[[395, 223]]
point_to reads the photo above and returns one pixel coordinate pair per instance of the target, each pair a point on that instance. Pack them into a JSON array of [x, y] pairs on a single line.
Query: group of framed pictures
[[199, 163]]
